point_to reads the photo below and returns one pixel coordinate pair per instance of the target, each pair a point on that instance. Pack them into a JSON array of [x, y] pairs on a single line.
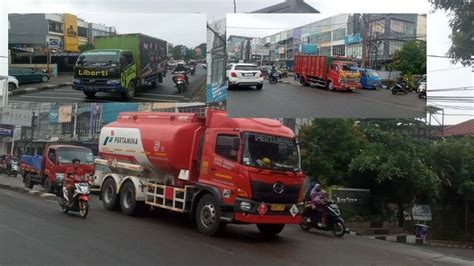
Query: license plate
[[277, 207], [88, 88]]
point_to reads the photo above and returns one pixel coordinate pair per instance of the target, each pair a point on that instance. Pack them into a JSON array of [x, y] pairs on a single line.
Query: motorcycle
[[192, 70], [335, 223], [179, 79], [422, 91], [400, 88], [80, 199], [14, 170], [273, 77]]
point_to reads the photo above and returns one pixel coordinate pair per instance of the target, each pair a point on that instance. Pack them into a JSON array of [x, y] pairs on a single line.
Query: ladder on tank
[[168, 197]]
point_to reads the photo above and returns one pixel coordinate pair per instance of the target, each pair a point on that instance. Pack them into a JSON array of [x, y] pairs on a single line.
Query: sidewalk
[[16, 184], [53, 83]]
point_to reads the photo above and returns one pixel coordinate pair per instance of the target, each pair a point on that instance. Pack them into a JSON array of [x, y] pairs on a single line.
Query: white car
[[12, 83], [241, 74]]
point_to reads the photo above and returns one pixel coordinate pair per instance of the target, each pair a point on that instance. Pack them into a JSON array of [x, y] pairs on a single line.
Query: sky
[[175, 24]]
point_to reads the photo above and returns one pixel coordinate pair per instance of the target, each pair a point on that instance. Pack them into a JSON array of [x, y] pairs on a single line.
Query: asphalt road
[[164, 92], [294, 100], [35, 232]]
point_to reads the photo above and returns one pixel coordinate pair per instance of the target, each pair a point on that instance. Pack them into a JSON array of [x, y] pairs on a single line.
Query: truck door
[[50, 163], [221, 157]]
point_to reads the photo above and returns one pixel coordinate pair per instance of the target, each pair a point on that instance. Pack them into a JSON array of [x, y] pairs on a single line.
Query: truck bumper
[[98, 88], [253, 212]]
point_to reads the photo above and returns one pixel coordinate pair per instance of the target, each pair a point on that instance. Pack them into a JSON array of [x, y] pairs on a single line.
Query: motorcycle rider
[[181, 68], [72, 175], [318, 198], [272, 71]]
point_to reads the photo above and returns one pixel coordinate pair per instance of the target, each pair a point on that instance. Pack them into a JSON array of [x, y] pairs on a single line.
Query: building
[[238, 48], [465, 128], [421, 27], [289, 6], [30, 36]]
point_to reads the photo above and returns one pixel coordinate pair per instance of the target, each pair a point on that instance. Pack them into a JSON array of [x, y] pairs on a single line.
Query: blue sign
[[54, 43], [110, 111], [216, 93], [353, 38], [7, 130], [53, 115]]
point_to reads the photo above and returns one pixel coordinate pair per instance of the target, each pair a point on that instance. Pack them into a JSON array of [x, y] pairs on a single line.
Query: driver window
[[52, 156], [128, 58], [334, 67], [224, 147]]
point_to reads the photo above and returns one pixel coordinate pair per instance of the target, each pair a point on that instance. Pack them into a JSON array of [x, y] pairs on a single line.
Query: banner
[[352, 38], [216, 93], [19, 117], [65, 114], [7, 130], [53, 115], [70, 33]]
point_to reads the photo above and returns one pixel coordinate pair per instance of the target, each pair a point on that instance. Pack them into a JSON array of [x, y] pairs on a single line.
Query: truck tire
[[11, 86], [89, 94], [128, 203], [47, 186], [208, 216], [28, 183], [130, 92], [303, 81], [270, 230], [259, 86], [109, 195], [330, 86]]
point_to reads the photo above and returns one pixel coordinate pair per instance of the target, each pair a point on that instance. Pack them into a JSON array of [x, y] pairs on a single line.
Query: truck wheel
[[259, 86], [330, 86], [28, 183], [130, 92], [90, 94], [303, 82], [47, 187], [208, 216], [128, 203], [109, 195], [270, 230], [11, 86]]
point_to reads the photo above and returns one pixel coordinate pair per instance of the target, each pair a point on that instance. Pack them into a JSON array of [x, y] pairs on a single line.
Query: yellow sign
[[70, 33], [93, 73]]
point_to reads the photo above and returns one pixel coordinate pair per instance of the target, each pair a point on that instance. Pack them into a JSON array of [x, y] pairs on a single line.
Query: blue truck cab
[[370, 79]]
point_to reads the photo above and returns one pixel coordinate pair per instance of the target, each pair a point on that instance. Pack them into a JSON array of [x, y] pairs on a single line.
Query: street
[[35, 231], [165, 92], [290, 99]]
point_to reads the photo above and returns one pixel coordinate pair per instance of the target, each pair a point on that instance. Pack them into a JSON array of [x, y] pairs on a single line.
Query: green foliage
[[462, 29], [176, 52], [87, 46], [203, 47], [411, 59]]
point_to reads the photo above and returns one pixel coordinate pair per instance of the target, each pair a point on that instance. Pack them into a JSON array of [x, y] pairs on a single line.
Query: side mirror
[[236, 144]]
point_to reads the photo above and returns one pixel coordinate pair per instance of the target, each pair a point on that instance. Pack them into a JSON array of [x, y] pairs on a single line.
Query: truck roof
[[55, 146], [102, 50], [129, 34], [214, 119]]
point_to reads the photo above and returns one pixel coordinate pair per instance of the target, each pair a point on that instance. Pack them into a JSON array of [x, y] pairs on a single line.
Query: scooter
[[14, 170], [273, 77], [400, 88], [80, 199], [192, 70], [179, 79], [335, 223]]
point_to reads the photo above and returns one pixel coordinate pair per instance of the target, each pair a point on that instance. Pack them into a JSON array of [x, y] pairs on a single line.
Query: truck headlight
[[76, 81], [245, 206], [59, 177], [113, 82]]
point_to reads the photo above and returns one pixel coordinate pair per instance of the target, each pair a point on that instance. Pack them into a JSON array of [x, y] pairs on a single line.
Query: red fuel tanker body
[[218, 169]]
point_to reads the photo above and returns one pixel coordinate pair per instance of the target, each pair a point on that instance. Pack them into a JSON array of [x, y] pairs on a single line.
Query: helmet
[[317, 187], [266, 161]]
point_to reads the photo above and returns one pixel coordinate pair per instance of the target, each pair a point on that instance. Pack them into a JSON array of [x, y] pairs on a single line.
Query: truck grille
[[94, 81], [265, 192]]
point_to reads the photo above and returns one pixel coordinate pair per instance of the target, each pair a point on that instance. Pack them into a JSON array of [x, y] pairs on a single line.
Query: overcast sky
[[176, 25]]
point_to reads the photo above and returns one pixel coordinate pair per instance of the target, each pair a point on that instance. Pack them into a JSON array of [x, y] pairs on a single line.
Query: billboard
[[70, 33], [65, 114], [19, 117], [7, 130]]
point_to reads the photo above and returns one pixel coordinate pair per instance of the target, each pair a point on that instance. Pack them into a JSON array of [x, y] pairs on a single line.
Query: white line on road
[[161, 95]]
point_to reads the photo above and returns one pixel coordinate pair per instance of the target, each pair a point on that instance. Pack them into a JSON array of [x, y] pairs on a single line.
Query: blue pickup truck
[[370, 79]]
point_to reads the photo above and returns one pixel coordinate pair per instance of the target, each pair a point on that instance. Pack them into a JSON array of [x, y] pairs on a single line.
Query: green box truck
[[120, 64]]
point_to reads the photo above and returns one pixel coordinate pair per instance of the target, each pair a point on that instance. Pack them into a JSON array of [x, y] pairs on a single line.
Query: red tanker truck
[[334, 73], [217, 169]]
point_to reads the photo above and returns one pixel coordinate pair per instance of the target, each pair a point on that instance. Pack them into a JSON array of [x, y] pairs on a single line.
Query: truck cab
[[48, 170], [370, 79], [343, 75]]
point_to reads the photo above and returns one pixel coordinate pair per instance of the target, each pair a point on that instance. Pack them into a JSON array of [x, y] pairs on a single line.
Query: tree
[[177, 52], [328, 146], [411, 59], [203, 48], [393, 165], [85, 47], [462, 28], [190, 54]]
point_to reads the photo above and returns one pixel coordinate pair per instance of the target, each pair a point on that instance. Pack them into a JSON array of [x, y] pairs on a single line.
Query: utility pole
[[32, 131], [235, 7]]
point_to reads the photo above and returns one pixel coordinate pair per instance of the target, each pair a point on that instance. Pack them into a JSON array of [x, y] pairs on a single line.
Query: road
[[35, 232], [290, 99], [165, 92]]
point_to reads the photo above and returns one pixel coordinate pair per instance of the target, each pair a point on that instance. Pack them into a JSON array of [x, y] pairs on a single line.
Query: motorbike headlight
[[113, 82], [59, 177]]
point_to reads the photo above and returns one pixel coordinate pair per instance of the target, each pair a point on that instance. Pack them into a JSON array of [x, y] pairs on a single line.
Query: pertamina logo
[[119, 140]]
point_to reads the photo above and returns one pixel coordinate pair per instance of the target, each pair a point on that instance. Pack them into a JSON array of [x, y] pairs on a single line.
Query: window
[[325, 51], [224, 146], [246, 67], [339, 50], [395, 46], [128, 58], [377, 26], [334, 67], [402, 28], [55, 26], [81, 31], [338, 34], [354, 50], [52, 155], [325, 37]]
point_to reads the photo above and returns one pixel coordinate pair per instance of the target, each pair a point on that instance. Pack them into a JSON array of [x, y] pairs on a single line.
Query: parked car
[[243, 74], [26, 75], [12, 83]]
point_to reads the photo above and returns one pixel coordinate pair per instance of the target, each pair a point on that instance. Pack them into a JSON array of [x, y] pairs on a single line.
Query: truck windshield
[[66, 155], [98, 58], [372, 74], [349, 67], [270, 152]]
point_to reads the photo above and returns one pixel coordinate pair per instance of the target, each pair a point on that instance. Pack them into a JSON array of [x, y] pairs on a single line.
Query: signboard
[[19, 117], [54, 43], [7, 130], [352, 38], [261, 51], [53, 115], [65, 114], [70, 33], [216, 93], [256, 57], [421, 212]]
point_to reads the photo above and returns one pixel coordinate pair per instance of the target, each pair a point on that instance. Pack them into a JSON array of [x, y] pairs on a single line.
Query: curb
[[41, 88], [36, 193], [449, 245]]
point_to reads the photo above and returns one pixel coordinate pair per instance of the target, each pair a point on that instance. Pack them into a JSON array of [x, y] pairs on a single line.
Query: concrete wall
[[28, 29]]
